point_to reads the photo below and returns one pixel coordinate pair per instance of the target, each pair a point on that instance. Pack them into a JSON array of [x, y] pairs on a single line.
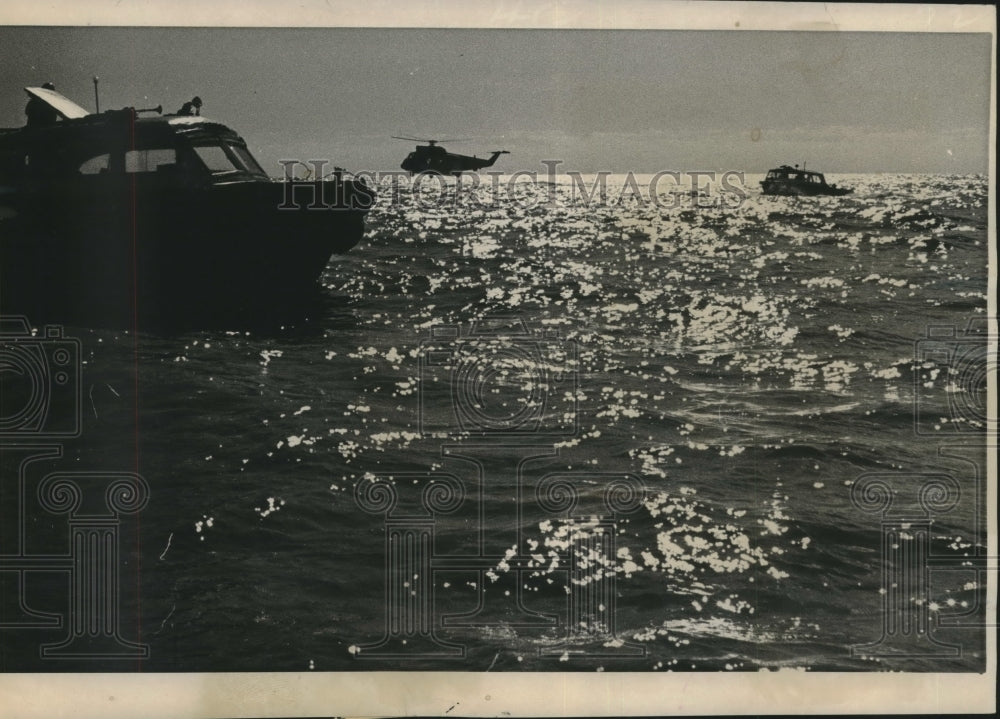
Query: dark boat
[[787, 180], [117, 217]]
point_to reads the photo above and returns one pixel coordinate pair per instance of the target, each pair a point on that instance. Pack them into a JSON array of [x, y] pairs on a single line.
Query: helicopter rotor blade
[[432, 141]]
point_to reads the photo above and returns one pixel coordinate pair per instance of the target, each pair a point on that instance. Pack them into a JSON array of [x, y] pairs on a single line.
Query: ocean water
[[731, 370]]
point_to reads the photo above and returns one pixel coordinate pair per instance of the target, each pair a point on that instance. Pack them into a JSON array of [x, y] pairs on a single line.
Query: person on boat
[[191, 108], [39, 112]]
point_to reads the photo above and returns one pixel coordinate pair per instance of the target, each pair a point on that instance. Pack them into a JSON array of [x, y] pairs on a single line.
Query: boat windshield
[[226, 158]]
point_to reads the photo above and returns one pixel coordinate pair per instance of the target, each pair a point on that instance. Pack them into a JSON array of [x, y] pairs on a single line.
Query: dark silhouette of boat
[[114, 217], [787, 180]]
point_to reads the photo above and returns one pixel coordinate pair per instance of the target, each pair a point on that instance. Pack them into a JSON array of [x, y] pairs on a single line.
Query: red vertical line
[[135, 355]]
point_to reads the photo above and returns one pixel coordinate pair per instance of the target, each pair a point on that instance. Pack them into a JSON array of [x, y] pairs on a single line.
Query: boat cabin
[[178, 150], [787, 180], [794, 174], [169, 214]]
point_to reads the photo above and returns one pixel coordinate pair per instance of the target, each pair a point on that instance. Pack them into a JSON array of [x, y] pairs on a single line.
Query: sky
[[632, 100]]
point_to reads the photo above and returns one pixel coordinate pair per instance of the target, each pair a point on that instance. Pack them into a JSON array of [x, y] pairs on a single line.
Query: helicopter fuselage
[[433, 159]]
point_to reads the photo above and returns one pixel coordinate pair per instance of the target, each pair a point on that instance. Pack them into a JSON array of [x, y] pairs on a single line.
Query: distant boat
[[112, 214], [787, 180]]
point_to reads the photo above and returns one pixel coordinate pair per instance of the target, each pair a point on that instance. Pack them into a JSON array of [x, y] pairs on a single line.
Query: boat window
[[149, 160], [226, 158], [95, 165], [246, 159], [215, 159]]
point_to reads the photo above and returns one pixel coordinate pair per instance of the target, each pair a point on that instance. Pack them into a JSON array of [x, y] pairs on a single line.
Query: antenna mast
[[97, 99]]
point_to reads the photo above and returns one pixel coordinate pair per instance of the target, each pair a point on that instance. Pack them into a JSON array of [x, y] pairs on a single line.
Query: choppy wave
[[749, 363]]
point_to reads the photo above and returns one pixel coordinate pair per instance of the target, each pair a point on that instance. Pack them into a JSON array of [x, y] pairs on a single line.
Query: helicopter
[[434, 159]]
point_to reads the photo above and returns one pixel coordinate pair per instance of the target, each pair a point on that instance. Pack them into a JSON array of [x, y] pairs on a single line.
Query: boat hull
[[805, 189], [127, 250]]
